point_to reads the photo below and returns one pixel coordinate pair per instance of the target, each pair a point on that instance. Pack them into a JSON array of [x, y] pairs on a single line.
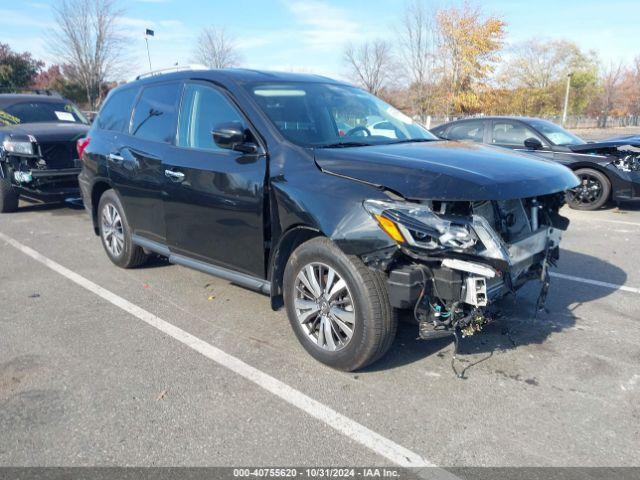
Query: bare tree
[[88, 38], [215, 48], [418, 35], [611, 83], [369, 64]]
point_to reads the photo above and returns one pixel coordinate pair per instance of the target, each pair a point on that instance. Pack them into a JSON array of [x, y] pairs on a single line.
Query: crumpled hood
[[443, 170], [633, 140], [48, 131]]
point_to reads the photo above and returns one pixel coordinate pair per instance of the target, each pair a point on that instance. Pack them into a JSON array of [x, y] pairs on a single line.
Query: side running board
[[242, 279]]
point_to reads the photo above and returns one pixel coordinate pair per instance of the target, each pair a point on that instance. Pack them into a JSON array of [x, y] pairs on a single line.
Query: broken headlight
[[418, 226], [18, 147]]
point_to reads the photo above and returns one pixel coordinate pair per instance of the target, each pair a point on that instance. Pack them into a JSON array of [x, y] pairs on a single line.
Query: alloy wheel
[[588, 192], [112, 230], [324, 306]]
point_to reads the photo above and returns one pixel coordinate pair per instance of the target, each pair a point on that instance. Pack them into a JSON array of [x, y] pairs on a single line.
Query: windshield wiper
[[344, 144], [412, 140]]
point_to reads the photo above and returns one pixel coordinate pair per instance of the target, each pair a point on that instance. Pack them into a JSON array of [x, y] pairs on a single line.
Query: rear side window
[[116, 112], [203, 109], [155, 115], [473, 131]]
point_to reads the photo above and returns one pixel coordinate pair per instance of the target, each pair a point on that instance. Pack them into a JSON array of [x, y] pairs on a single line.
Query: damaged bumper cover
[[453, 264]]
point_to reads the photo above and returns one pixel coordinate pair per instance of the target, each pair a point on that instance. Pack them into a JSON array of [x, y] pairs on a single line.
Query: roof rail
[[35, 91], [176, 68]]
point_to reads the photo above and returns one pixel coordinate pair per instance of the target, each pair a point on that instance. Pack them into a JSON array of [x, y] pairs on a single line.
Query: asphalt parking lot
[[88, 379]]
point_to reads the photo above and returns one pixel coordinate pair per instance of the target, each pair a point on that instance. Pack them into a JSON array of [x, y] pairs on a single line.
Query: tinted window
[[512, 133], [116, 112], [473, 131], [154, 117], [203, 108]]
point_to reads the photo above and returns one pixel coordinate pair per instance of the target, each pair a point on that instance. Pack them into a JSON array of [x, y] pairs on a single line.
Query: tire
[[366, 310], [593, 193], [8, 197], [116, 229]]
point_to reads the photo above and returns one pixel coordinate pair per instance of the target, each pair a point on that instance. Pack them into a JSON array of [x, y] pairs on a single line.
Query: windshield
[[556, 134], [36, 112], [328, 115]]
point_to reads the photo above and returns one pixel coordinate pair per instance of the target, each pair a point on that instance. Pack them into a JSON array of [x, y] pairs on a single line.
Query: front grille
[[59, 154]]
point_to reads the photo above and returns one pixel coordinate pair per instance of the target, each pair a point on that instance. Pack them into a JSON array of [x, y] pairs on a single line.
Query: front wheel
[[592, 193], [8, 197], [115, 233], [338, 308]]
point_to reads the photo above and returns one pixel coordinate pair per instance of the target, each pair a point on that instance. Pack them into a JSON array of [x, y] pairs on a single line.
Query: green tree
[[17, 70]]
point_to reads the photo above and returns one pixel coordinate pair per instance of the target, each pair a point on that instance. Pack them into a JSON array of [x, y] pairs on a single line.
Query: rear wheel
[[338, 308], [115, 233], [8, 197], [592, 193]]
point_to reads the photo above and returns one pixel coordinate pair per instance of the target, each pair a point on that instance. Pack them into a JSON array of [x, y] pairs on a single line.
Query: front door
[[214, 196], [512, 134]]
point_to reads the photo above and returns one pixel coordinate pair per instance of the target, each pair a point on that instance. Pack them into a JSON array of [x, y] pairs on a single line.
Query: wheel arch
[[288, 242], [97, 190]]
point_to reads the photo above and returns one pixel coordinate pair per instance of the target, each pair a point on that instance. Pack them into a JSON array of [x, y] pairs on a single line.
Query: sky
[[309, 35]]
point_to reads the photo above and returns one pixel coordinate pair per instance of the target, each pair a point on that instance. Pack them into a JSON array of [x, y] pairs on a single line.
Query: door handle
[[114, 157], [174, 176]]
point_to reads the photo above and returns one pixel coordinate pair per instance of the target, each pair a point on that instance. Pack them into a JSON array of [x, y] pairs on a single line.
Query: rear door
[[214, 196], [136, 164], [467, 131]]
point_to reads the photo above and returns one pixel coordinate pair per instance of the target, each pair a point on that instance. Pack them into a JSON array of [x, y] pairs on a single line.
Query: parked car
[[38, 155], [608, 170], [244, 175]]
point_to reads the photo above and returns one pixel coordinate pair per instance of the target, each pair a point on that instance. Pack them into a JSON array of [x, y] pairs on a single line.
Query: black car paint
[[624, 185], [56, 142], [281, 193]]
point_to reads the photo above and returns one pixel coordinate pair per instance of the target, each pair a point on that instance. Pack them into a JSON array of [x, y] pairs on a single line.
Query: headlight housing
[[18, 147], [418, 226]]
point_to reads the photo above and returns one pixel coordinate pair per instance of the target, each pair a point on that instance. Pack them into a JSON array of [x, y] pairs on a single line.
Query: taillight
[[81, 145]]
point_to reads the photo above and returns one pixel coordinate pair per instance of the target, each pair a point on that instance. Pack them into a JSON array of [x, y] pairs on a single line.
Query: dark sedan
[[608, 170]]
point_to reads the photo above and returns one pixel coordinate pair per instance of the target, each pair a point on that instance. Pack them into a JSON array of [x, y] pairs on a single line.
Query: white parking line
[[348, 427], [599, 220], [595, 282]]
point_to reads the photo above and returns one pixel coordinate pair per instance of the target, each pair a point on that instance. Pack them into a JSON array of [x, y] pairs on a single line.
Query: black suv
[[276, 182], [39, 159]]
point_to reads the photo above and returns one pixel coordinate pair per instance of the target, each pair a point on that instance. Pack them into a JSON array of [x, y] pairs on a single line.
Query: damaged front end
[[456, 258], [41, 169]]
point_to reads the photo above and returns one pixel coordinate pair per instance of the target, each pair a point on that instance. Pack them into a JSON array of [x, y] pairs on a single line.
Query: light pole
[[566, 99], [148, 33]]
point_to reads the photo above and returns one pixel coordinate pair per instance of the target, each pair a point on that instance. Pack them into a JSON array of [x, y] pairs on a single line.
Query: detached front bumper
[[473, 281], [49, 184]]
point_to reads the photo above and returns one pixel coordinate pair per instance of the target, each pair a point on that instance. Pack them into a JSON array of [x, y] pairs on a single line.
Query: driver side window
[[202, 109], [512, 134]]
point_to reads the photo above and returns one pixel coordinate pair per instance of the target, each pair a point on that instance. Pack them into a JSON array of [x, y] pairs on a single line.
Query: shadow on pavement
[[515, 326]]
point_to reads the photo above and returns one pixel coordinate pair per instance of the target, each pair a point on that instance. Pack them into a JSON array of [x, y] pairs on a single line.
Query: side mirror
[[533, 144], [231, 135]]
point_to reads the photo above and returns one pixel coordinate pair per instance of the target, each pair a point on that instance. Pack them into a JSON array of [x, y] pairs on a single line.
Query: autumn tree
[[537, 73], [215, 48], [369, 64], [17, 70], [610, 92], [54, 78], [88, 39], [630, 91], [469, 46]]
